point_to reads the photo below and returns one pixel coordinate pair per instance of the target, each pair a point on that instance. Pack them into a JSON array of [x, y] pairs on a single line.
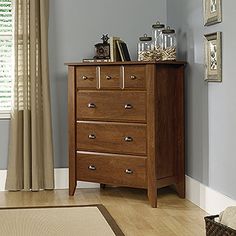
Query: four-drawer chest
[[126, 125]]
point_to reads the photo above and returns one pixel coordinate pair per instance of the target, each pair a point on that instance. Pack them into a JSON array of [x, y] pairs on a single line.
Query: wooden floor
[[129, 207]]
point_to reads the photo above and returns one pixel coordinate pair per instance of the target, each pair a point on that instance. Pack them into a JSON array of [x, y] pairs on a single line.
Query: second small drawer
[[111, 137]]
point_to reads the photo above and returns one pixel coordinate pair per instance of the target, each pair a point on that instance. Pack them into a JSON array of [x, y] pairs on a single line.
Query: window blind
[[6, 52]]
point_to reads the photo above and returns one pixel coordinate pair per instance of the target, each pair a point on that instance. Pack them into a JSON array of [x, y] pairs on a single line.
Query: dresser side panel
[[71, 129], [169, 120], [151, 134]]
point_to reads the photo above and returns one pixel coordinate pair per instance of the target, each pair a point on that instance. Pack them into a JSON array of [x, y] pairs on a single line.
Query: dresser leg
[[72, 187], [103, 186], [180, 188], [152, 196]]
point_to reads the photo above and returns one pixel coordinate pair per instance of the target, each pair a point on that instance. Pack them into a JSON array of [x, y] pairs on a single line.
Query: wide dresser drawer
[[111, 137], [127, 106], [120, 170]]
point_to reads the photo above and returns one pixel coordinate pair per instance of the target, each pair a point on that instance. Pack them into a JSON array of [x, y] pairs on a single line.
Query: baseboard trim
[[61, 176], [206, 198], [3, 176]]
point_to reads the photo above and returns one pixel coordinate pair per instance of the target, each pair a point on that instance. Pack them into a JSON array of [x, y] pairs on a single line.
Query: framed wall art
[[213, 55], [212, 11]]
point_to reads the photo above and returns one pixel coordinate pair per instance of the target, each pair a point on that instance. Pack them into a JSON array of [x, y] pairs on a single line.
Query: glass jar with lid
[[145, 48], [169, 44], [157, 38]]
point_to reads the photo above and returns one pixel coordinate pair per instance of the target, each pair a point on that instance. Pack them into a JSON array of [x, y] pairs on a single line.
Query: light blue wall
[[4, 132], [210, 108]]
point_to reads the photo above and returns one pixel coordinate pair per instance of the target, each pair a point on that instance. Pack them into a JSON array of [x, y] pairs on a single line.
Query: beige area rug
[[91, 220]]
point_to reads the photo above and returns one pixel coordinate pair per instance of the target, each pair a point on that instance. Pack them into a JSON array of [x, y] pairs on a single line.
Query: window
[[6, 62]]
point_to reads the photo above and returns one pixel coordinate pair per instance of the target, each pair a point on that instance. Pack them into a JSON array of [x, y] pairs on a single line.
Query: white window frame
[[6, 114]]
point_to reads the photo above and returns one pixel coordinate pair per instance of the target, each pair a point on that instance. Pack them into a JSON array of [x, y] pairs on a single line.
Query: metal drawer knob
[[128, 171], [128, 139], [91, 105], [133, 77], [128, 106], [108, 77], [84, 77], [91, 167], [92, 136]]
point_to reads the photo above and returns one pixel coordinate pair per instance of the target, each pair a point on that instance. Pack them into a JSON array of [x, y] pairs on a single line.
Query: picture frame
[[213, 57], [212, 12]]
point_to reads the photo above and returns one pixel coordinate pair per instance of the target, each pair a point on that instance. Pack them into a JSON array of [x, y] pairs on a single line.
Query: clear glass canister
[[145, 48], [169, 44], [157, 38]]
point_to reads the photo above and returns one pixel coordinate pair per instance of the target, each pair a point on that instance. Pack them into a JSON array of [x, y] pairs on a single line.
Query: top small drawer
[[86, 77], [134, 76], [111, 77]]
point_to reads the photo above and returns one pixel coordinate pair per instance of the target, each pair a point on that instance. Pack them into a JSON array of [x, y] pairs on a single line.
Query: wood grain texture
[[115, 169], [180, 185], [135, 77], [166, 120], [166, 181], [110, 77], [151, 134], [110, 106], [86, 77], [170, 116], [71, 129], [111, 137]]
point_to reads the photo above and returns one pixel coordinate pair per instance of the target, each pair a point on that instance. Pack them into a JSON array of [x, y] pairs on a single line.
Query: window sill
[[5, 115]]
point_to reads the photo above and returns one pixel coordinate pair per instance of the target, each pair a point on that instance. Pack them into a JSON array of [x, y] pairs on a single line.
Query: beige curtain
[[30, 163]]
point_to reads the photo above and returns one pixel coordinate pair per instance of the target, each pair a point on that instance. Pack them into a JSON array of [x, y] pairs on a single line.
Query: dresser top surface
[[125, 63]]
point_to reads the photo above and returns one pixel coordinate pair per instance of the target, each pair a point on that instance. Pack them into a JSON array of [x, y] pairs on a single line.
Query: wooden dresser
[[126, 125]]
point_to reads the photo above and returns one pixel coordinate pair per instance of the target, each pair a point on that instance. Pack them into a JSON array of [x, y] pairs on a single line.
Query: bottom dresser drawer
[[114, 169]]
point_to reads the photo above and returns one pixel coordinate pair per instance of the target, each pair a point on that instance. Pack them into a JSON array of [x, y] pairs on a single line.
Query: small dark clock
[[102, 50]]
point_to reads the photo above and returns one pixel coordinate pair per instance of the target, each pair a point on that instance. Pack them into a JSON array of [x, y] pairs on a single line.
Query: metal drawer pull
[[92, 167], [133, 77], [91, 105], [128, 171], [108, 77], [92, 136], [128, 139], [84, 77], [128, 106]]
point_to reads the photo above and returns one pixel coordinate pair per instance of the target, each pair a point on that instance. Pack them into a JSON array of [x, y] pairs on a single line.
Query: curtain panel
[[30, 161]]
